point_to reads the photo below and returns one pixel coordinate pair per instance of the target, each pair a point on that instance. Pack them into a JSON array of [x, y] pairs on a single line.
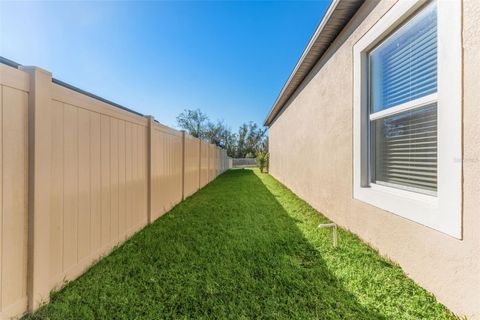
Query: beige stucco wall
[[311, 152]]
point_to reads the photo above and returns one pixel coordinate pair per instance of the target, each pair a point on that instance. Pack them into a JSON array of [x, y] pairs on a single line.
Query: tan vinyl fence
[[79, 175], [204, 151]]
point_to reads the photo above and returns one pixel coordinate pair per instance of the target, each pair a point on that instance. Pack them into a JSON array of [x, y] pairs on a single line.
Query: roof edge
[[336, 18]]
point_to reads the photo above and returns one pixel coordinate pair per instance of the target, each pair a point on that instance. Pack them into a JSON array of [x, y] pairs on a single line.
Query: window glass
[[404, 66], [405, 151]]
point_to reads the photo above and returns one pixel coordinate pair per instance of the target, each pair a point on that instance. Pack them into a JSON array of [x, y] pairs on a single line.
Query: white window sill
[[417, 207], [410, 205]]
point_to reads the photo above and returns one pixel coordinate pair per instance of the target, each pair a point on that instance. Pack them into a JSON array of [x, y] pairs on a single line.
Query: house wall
[[311, 152], [77, 177]]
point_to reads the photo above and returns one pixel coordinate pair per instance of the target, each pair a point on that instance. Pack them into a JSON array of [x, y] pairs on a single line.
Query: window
[[402, 105], [407, 114]]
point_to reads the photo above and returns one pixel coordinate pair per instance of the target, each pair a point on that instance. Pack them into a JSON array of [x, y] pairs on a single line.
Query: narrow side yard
[[243, 247]]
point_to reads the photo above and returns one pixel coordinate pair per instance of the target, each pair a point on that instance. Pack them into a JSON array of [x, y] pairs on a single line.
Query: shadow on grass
[[229, 251]]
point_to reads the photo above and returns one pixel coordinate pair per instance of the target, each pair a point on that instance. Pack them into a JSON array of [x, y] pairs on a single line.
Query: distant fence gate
[[244, 162], [79, 175]]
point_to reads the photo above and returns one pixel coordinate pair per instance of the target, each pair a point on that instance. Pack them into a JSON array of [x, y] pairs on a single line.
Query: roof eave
[[337, 16]]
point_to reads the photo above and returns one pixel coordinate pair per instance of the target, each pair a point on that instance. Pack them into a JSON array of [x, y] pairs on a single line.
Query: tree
[[240, 150], [214, 132], [249, 141], [193, 121], [255, 138], [229, 142]]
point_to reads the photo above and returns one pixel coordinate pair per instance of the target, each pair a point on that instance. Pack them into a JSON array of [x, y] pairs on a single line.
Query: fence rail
[[79, 175]]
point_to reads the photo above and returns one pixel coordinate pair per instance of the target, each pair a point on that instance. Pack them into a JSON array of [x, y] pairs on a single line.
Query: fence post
[[199, 164], [151, 123], [183, 165], [39, 176], [208, 162]]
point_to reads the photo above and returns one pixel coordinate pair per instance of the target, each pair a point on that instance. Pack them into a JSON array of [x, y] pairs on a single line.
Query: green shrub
[[262, 161]]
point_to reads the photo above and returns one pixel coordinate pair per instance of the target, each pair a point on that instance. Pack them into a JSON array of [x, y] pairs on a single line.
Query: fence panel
[[14, 95], [244, 162], [167, 179], [79, 175], [219, 161], [192, 165], [204, 163], [211, 162], [99, 181]]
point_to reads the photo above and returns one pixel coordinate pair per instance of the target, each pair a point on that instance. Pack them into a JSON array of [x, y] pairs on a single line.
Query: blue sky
[[230, 59]]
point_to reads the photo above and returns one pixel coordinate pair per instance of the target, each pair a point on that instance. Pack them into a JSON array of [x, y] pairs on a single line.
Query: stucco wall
[[311, 152]]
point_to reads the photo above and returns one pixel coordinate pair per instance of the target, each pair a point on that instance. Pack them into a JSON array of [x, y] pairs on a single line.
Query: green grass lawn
[[243, 247]]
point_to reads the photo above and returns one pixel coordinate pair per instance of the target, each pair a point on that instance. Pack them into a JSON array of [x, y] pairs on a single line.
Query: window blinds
[[404, 66], [406, 149]]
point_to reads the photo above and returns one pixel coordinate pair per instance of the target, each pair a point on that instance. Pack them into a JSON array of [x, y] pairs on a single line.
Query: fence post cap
[[34, 68]]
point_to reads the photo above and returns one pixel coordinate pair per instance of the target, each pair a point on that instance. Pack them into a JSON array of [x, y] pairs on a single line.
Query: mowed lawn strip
[[242, 247]]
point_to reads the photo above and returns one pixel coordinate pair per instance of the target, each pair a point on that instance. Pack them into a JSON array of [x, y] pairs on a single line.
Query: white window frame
[[443, 211]]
